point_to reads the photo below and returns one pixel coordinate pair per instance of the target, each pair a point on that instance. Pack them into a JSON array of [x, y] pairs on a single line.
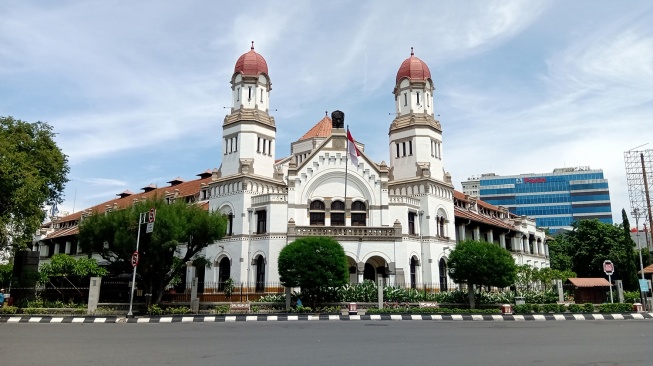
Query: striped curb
[[307, 317]]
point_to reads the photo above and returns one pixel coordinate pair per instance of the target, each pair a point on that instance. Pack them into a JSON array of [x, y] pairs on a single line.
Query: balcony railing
[[347, 232], [269, 198]]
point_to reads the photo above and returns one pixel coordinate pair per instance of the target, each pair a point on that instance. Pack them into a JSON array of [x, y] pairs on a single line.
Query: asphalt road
[[359, 343]]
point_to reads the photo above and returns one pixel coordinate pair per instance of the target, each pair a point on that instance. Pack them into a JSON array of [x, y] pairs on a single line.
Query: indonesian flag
[[353, 150]]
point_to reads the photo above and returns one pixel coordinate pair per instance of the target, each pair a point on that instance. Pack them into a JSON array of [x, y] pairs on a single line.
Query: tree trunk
[[470, 294]]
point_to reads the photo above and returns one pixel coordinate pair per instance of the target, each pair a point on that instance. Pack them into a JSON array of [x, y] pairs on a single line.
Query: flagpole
[[346, 168]]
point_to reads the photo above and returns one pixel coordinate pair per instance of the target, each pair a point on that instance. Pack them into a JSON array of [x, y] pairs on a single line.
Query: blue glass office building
[[555, 199]]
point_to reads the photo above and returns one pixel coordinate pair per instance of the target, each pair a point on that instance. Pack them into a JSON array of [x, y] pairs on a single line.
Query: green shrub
[[179, 310], [272, 298], [575, 308], [551, 308], [537, 308], [632, 297], [8, 310], [222, 309], [522, 309], [588, 308], [155, 310], [615, 308]]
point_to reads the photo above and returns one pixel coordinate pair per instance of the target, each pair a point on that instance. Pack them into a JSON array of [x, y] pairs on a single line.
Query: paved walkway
[[304, 317]]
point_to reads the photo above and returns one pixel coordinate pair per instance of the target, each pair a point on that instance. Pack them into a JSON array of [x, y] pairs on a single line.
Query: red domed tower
[[415, 135], [249, 131]]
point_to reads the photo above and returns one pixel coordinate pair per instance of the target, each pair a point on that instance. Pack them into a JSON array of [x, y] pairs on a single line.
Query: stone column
[[477, 233], [490, 236], [502, 240], [461, 232]]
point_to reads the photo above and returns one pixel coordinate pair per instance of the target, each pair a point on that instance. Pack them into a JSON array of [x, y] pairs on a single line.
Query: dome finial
[[411, 50], [326, 113], [253, 46]]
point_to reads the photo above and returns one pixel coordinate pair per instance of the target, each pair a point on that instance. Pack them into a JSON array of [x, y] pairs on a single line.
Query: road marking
[[78, 320], [436, 317], [415, 317], [35, 319], [638, 316], [579, 317], [230, 318], [354, 317], [293, 317], [13, 319], [375, 317], [395, 317], [313, 317], [166, 319], [187, 319], [273, 318], [558, 317], [519, 318], [477, 317], [56, 320], [618, 317], [539, 317], [497, 317], [99, 320], [598, 316], [143, 320], [209, 319], [456, 317], [251, 318], [334, 317]]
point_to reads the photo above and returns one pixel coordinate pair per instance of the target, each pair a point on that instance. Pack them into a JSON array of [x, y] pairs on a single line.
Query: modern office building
[[554, 199]]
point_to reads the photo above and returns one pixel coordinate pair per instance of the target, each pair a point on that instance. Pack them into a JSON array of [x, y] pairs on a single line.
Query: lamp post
[[639, 247]]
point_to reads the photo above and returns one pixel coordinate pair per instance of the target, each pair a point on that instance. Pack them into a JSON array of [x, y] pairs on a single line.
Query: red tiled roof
[[470, 215], [251, 64], [647, 269], [589, 282], [184, 189], [321, 129], [413, 69]]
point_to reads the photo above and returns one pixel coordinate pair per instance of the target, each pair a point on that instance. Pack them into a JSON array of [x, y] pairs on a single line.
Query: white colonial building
[[397, 222]]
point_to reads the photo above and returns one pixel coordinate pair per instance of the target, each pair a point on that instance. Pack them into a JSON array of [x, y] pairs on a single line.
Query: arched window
[[358, 214], [441, 226], [260, 273], [413, 272], [369, 273], [317, 213], [443, 275], [337, 213]]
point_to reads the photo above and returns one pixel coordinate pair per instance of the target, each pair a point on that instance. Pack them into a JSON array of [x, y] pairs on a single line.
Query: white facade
[[394, 222]]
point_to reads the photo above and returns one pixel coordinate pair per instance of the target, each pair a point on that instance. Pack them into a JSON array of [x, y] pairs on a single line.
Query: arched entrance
[[375, 269]]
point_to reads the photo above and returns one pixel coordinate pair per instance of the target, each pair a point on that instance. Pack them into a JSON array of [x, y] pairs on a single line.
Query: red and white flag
[[353, 150]]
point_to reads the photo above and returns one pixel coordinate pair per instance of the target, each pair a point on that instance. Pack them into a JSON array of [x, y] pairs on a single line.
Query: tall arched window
[[358, 214], [224, 272], [337, 213], [413, 272], [260, 273], [441, 226], [443, 275], [317, 213]]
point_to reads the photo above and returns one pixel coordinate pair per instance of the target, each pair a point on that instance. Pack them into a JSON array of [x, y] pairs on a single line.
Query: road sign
[[608, 268], [151, 215], [135, 259], [149, 228], [643, 285]]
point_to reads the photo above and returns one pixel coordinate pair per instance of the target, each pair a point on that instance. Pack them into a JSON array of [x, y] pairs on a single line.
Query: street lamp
[[641, 264]]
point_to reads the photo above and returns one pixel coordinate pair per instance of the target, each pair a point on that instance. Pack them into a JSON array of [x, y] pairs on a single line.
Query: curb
[[305, 317]]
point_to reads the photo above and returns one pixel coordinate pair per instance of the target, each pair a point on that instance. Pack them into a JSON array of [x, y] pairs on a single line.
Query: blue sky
[[136, 90]]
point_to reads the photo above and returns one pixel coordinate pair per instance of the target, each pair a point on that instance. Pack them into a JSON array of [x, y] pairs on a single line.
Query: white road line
[[456, 317], [497, 317], [35, 319], [519, 318], [618, 317], [558, 317], [187, 319], [143, 320], [579, 316], [209, 319], [99, 320], [165, 319], [539, 317], [78, 320]]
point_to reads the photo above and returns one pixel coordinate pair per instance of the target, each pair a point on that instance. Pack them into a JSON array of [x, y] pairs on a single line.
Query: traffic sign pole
[[608, 268], [138, 239]]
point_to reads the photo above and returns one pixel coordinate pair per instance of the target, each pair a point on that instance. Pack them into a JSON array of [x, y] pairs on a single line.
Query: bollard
[[353, 308], [506, 309]]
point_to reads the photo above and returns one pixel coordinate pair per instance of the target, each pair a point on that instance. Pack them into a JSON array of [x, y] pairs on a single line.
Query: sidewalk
[[309, 317]]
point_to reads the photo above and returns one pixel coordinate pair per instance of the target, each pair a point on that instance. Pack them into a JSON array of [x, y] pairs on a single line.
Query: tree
[[66, 265], [591, 242], [482, 264], [32, 174], [314, 264], [181, 232]]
